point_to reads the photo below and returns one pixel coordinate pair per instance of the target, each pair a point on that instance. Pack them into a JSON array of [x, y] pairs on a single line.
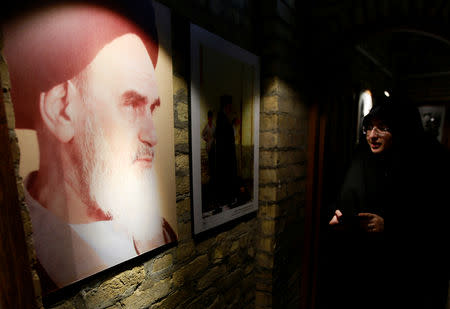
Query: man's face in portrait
[[116, 99]]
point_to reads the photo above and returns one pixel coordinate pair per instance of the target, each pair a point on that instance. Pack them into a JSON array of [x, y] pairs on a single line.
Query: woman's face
[[378, 136]]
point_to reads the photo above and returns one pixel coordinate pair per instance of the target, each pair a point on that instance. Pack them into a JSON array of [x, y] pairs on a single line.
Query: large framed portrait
[[225, 128], [92, 95]]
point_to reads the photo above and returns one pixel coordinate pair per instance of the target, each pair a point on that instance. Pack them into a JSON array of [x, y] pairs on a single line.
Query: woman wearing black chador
[[390, 218]]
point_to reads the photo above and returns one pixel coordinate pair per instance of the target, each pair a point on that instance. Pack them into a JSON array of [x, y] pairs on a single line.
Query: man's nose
[[147, 132]]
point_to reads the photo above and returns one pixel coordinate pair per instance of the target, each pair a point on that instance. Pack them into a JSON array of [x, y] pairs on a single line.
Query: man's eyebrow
[[132, 97], [156, 103]]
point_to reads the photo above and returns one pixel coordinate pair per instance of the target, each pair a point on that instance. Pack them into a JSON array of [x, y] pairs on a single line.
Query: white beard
[[127, 193]]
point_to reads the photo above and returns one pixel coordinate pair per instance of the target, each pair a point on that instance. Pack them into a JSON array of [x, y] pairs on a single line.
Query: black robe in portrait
[[226, 162]]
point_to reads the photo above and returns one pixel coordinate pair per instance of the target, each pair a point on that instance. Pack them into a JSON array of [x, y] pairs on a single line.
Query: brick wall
[[283, 132], [15, 222], [253, 262]]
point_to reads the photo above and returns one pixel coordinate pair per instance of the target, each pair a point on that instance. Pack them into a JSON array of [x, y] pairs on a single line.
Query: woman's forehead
[[377, 122]]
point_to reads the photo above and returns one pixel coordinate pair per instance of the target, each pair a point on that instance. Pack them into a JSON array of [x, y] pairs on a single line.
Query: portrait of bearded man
[[83, 78]]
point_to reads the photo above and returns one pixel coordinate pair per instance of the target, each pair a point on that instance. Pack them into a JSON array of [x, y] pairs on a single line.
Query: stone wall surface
[[8, 122], [283, 134], [245, 264]]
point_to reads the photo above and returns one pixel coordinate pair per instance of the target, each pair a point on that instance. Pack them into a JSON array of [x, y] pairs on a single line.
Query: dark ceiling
[[409, 54], [407, 40], [417, 59]]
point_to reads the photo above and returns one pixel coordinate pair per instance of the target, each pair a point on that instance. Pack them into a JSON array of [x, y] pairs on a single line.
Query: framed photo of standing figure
[[224, 128]]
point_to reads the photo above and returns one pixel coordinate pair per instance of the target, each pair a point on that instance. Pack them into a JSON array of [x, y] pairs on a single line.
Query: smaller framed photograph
[[433, 117], [224, 128]]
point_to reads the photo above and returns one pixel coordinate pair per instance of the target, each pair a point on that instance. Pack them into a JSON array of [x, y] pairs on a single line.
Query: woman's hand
[[336, 218], [371, 223]]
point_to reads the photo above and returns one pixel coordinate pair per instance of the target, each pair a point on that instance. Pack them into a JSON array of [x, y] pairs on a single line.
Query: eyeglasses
[[378, 130]]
